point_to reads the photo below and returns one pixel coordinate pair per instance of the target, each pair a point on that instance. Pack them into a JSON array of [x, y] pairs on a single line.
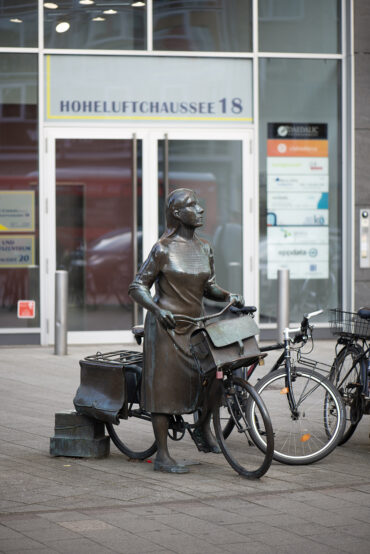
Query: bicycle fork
[[288, 378]]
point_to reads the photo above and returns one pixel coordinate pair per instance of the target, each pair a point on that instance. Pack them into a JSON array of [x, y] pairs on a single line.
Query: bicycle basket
[[349, 324], [109, 382], [229, 343]]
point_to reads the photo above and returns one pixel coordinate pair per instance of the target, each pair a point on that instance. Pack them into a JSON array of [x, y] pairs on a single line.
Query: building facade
[[107, 106]]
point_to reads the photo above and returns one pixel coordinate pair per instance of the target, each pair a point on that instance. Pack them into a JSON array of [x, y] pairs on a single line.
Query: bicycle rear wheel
[[346, 377], [315, 431], [134, 436], [239, 450]]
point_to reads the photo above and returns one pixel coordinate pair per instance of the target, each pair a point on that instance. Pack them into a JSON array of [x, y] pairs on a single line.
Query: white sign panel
[[298, 200], [148, 88]]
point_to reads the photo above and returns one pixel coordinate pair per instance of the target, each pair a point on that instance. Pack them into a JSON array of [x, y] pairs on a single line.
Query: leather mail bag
[[228, 343]]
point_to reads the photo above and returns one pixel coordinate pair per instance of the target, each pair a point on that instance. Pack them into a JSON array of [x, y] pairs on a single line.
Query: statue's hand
[[165, 318], [237, 300]]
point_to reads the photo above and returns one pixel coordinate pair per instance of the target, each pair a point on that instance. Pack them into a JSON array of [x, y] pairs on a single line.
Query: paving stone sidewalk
[[77, 506]]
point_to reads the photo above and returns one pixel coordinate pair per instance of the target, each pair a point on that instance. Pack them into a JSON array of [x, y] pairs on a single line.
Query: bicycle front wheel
[[345, 375], [239, 450], [134, 436], [308, 435]]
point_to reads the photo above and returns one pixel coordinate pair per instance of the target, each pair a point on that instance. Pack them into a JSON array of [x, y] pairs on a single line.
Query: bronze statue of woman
[[181, 267]]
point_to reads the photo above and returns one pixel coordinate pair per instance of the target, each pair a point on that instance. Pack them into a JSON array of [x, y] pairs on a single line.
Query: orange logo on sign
[[26, 309], [301, 148]]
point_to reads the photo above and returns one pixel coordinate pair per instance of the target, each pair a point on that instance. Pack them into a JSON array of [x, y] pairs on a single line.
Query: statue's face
[[191, 212]]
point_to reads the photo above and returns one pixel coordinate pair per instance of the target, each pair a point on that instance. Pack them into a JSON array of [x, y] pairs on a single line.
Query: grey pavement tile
[[29, 523], [131, 522], [41, 548], [250, 547], [361, 530], [117, 539], [19, 543], [182, 543], [354, 514], [151, 510], [6, 533], [53, 532], [79, 546], [83, 526], [278, 537], [250, 528], [70, 515], [344, 543], [206, 512], [352, 496], [314, 548], [211, 532]]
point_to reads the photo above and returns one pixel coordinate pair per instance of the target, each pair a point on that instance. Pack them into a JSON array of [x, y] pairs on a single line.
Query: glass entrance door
[[106, 210], [98, 232], [219, 168]]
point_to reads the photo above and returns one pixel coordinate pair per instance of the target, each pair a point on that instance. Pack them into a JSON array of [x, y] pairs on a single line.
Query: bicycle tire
[[343, 378], [239, 450], [133, 442], [320, 423]]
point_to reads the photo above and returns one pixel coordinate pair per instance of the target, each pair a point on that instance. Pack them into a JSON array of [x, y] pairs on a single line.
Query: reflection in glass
[[213, 169], [19, 275], [303, 91], [299, 26], [94, 213], [95, 25], [202, 25], [18, 23]]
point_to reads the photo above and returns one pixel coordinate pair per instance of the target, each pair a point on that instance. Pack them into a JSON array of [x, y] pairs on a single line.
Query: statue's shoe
[[203, 444], [170, 468]]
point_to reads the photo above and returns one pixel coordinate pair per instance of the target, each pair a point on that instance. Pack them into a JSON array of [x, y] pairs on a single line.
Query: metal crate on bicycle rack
[[349, 324], [109, 383]]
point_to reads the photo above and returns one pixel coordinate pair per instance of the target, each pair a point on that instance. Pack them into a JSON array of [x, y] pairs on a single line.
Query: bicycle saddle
[[364, 313], [138, 332]]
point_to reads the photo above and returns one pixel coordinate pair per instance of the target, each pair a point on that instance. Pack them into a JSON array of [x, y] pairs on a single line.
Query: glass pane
[[18, 23], [202, 25], [94, 218], [103, 25], [213, 169], [300, 183], [19, 258], [299, 26]]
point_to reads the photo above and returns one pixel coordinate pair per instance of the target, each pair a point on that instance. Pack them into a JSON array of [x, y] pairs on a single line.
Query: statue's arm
[[139, 290]]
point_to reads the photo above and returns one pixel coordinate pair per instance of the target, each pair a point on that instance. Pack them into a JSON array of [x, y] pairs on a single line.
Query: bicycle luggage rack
[[349, 324], [314, 364], [118, 357]]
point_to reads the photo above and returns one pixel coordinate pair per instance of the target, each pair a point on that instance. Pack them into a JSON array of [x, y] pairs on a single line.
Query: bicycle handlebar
[[230, 305]]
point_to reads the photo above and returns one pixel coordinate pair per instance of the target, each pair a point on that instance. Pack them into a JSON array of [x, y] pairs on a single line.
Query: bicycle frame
[[285, 358], [365, 367]]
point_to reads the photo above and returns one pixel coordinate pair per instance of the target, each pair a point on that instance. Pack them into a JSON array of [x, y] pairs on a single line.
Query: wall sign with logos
[[298, 200], [148, 88], [17, 210]]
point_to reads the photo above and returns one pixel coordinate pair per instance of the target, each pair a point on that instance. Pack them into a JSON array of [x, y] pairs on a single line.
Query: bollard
[[283, 302], [61, 304]]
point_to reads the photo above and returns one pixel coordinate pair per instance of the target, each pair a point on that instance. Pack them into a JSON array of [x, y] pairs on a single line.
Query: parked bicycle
[[234, 396], [305, 408], [351, 367]]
